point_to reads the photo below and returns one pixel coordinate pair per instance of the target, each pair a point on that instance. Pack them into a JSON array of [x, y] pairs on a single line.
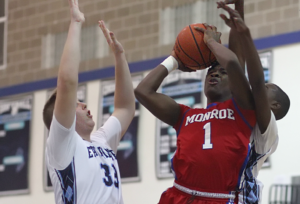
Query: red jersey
[[212, 146]]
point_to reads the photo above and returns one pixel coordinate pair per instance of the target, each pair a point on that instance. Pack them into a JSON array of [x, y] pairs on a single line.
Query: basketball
[[191, 49]]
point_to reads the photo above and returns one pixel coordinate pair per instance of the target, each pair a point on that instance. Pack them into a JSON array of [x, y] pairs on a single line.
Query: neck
[[86, 135], [217, 99]]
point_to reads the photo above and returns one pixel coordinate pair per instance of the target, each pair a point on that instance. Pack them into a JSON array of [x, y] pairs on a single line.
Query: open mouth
[[213, 81], [88, 114]]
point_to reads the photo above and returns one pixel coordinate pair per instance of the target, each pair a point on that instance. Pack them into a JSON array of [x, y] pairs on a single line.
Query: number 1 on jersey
[[207, 137]]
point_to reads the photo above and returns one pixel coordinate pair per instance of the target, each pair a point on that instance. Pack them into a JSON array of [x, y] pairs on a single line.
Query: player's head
[[84, 119], [216, 86], [278, 100], [48, 109]]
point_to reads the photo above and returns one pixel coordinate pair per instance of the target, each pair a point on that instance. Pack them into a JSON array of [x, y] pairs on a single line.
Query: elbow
[[66, 83], [139, 93], [67, 78], [232, 63], [257, 83]]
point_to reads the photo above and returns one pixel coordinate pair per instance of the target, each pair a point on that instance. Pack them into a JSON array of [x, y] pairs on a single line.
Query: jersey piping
[[67, 178]]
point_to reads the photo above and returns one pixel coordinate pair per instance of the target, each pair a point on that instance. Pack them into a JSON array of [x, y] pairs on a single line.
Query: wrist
[[210, 40], [170, 63]]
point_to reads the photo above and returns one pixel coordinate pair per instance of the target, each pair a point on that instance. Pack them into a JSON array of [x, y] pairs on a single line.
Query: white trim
[[205, 194]]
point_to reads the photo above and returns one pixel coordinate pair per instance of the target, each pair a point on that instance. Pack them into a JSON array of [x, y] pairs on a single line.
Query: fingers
[[113, 37], [105, 32], [214, 28], [73, 3], [221, 4], [199, 29], [229, 1], [206, 25], [70, 3], [226, 20]]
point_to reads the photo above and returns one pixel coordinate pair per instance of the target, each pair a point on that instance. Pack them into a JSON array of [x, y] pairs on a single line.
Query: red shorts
[[175, 196]]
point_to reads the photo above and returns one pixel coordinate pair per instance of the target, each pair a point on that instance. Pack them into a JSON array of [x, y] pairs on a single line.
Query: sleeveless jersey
[[83, 171], [212, 146]]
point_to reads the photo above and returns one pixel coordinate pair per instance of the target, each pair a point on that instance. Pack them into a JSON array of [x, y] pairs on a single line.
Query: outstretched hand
[[114, 44], [210, 33], [235, 21], [76, 14]]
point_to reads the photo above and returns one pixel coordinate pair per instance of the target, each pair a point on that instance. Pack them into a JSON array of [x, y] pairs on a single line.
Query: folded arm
[[160, 105], [227, 59]]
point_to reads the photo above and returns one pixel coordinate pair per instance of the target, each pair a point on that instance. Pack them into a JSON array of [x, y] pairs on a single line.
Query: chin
[[92, 124]]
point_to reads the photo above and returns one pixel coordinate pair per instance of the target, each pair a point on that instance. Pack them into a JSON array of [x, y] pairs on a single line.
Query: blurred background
[[32, 36]]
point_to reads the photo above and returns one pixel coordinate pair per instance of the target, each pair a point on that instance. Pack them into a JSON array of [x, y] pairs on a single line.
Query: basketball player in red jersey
[[271, 103], [212, 143]]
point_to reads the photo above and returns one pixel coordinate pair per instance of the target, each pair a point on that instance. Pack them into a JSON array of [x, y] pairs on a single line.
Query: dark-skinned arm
[[234, 38], [255, 72], [238, 83], [160, 105]]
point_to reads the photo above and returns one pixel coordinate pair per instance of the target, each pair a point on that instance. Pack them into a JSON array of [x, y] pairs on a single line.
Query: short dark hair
[[283, 99], [213, 65], [48, 109]]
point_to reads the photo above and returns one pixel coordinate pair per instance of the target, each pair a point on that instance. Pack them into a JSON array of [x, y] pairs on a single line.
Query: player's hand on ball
[[181, 66], [76, 15], [113, 43], [235, 22], [210, 33]]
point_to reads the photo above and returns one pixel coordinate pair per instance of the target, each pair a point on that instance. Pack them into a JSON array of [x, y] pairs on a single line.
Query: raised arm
[[67, 80], [237, 81], [160, 105], [124, 103], [234, 38], [254, 69]]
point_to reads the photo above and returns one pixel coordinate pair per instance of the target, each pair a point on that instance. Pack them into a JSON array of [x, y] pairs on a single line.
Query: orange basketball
[[191, 49]]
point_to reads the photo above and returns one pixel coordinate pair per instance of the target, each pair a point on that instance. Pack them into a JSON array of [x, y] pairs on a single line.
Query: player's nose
[[214, 74]]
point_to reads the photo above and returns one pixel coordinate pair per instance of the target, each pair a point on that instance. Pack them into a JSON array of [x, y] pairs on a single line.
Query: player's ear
[[275, 105]]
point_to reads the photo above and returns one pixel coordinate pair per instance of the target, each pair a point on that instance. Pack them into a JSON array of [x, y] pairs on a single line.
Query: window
[[3, 33], [93, 45], [173, 20]]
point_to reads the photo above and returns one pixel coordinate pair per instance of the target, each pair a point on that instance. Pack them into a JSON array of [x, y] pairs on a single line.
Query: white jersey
[[84, 172], [265, 145]]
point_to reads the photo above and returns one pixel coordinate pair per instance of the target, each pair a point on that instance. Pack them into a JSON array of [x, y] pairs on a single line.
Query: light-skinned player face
[[84, 119]]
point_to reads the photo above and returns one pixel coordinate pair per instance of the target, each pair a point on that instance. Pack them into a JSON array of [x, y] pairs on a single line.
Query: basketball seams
[[189, 44], [199, 50], [187, 56]]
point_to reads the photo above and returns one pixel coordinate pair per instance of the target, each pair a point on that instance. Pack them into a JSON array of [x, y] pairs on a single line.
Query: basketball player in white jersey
[[270, 101], [82, 165]]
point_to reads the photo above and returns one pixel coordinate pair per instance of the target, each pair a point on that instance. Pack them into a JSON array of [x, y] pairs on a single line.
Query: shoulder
[[268, 140], [272, 127]]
